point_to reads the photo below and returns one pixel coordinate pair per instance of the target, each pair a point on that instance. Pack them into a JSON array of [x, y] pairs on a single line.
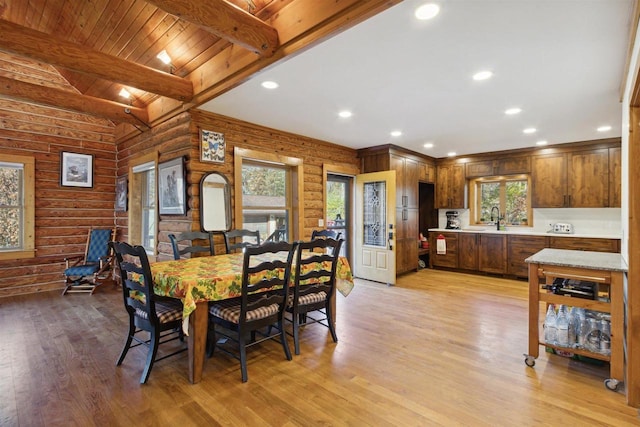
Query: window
[[267, 188], [142, 212], [17, 211], [510, 196], [264, 199]]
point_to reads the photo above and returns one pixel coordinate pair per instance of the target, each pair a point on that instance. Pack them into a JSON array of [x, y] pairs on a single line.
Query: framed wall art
[[171, 187], [121, 194], [212, 146], [76, 170]]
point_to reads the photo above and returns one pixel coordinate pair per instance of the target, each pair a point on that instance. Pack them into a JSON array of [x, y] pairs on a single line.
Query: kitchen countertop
[[582, 259], [523, 231]]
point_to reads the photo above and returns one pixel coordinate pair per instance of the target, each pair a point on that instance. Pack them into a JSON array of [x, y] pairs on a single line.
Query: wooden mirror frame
[[215, 202]]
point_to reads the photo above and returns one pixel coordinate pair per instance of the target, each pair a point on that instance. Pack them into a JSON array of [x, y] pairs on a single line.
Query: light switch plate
[[321, 222]]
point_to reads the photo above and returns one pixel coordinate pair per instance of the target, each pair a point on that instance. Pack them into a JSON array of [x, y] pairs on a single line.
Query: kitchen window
[[17, 207], [510, 196]]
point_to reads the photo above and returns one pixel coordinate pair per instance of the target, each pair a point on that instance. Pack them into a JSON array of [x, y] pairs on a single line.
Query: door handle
[[405, 214]]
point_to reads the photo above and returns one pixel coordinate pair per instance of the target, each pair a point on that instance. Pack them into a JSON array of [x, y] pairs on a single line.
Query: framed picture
[[171, 187], [121, 194], [212, 146], [76, 170]]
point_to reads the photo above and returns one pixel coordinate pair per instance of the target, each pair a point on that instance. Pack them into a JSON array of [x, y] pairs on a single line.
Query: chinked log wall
[[180, 137], [63, 215]]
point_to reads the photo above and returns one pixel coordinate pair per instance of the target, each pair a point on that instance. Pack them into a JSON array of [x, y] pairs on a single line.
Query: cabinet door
[[396, 163], [549, 181], [450, 258], [520, 248], [411, 178], [468, 251], [458, 182], [588, 178], [492, 253], [443, 186], [427, 172], [514, 165], [478, 169], [585, 244], [615, 180]]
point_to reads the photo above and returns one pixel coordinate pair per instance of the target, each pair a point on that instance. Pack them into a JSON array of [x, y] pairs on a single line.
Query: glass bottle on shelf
[[605, 337], [550, 332], [574, 324], [562, 327]]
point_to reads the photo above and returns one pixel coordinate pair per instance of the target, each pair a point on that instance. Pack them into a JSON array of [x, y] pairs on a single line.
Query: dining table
[[197, 281]]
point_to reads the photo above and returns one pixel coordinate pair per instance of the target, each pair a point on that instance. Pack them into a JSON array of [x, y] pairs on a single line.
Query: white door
[[375, 232]]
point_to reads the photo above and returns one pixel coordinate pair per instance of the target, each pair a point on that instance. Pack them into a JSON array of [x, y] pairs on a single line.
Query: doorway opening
[[338, 209]]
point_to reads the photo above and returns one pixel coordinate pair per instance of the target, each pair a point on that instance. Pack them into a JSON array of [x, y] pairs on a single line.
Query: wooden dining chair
[[265, 288], [314, 286], [204, 247], [325, 234], [162, 320], [236, 240]]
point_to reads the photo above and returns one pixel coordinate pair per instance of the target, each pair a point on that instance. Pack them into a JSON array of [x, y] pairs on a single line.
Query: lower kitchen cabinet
[[492, 253], [468, 251], [519, 248], [450, 257], [585, 244]]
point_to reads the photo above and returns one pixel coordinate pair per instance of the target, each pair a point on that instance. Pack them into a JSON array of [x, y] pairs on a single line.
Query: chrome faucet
[[497, 220]]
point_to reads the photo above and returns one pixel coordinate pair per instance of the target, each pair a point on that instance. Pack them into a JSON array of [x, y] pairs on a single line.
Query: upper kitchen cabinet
[[577, 179], [407, 172], [500, 166], [450, 183], [427, 172]]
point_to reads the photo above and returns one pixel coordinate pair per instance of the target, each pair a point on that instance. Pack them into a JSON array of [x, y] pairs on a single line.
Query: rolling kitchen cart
[[605, 271]]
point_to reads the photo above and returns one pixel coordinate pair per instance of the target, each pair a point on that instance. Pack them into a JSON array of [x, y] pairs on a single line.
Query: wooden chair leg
[[332, 329], [151, 356], [283, 340], [296, 334], [243, 357], [127, 344]]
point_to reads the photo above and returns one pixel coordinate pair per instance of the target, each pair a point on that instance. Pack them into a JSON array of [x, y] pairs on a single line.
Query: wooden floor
[[439, 348]]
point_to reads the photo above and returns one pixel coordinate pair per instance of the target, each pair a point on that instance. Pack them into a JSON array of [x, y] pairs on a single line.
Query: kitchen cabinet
[[406, 181], [448, 259], [521, 247], [578, 179], [427, 172], [468, 251], [479, 169], [406, 240], [605, 272], [450, 186], [615, 177], [585, 244], [514, 165], [492, 253]]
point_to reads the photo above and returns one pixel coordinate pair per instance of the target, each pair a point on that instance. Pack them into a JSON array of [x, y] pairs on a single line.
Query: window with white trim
[[17, 206]]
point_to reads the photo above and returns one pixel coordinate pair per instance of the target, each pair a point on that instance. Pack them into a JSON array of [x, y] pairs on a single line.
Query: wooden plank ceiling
[[101, 46]]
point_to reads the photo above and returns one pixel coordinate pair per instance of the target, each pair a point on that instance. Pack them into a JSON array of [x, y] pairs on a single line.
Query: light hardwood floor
[[439, 348]]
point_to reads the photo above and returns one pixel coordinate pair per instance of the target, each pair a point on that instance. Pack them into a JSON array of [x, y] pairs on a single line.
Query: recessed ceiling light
[[124, 93], [164, 57], [482, 75], [396, 133], [269, 85], [345, 114], [530, 130], [427, 11], [604, 128], [512, 111], [543, 142], [428, 145], [451, 154]]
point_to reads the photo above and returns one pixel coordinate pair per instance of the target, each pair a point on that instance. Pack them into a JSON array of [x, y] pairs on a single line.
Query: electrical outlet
[[321, 222]]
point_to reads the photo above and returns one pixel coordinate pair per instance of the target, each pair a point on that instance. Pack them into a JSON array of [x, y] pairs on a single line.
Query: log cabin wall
[[63, 215], [314, 153]]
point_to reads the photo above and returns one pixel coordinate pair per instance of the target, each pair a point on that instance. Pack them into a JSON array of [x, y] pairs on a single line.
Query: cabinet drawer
[[450, 259], [585, 244]]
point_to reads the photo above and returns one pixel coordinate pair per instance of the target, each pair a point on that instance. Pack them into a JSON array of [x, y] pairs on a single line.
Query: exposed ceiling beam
[[22, 91], [227, 21], [53, 50]]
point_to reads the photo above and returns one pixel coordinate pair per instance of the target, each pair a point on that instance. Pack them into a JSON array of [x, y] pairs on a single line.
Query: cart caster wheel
[[612, 384], [530, 361]]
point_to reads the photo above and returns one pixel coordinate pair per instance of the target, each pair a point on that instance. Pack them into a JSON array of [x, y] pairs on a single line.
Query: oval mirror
[[215, 202]]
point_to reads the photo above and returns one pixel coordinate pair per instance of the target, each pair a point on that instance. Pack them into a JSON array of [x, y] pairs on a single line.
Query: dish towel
[[441, 245]]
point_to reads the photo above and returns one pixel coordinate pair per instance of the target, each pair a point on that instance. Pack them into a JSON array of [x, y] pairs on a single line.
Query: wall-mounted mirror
[[215, 202]]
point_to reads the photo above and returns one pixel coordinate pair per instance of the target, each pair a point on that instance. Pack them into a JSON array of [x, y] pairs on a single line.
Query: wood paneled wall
[[63, 215]]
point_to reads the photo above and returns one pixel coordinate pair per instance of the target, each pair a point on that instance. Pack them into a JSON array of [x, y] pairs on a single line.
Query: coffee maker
[[453, 220]]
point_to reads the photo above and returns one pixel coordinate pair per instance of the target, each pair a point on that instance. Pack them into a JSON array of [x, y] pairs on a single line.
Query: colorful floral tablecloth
[[216, 278]]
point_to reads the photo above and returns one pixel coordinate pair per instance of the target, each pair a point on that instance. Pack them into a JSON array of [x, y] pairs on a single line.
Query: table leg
[[197, 340]]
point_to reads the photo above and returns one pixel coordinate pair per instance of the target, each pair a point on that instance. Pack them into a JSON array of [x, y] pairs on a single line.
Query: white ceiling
[[561, 61]]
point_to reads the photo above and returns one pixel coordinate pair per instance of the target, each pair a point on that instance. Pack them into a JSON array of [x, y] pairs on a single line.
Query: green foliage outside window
[[10, 207], [513, 205]]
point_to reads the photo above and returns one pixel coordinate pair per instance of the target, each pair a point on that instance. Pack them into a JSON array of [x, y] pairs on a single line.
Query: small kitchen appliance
[[453, 220], [562, 228]]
